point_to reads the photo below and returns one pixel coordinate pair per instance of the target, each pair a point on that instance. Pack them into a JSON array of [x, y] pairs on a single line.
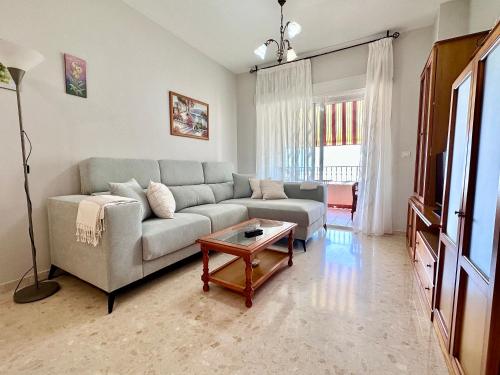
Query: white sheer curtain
[[285, 131], [374, 208]]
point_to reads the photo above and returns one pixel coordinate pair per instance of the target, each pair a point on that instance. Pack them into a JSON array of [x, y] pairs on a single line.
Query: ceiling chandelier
[[293, 29]]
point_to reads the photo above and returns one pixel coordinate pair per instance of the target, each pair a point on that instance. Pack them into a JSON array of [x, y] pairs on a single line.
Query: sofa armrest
[[115, 262], [320, 194]]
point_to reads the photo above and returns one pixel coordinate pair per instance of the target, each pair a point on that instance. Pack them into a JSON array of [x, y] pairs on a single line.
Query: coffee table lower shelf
[[232, 274]]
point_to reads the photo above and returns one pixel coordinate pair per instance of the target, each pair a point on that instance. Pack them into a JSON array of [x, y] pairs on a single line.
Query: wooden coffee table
[[238, 274]]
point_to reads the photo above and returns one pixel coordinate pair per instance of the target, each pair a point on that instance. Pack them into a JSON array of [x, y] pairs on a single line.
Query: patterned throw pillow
[[132, 189], [161, 200], [272, 189], [255, 186]]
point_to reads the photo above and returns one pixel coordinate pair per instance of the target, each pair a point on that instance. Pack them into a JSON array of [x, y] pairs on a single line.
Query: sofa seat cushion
[[220, 215], [301, 211], [164, 236]]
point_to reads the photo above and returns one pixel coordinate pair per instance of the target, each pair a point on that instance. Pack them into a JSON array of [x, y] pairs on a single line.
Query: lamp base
[[32, 293]]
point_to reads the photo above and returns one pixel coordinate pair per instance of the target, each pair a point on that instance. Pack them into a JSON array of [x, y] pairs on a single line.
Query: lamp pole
[[38, 290]]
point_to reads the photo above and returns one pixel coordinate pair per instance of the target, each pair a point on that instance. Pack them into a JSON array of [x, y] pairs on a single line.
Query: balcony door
[[338, 132]]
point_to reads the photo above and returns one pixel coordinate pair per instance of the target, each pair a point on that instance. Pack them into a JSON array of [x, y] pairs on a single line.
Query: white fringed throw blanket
[[90, 217]]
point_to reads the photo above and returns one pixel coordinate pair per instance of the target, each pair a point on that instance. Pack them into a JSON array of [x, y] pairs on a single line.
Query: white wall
[[132, 64], [460, 17], [410, 53], [452, 19], [483, 14]]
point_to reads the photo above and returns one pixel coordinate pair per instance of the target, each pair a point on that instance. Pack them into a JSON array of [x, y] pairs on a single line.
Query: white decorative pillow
[[161, 200], [272, 189], [255, 186]]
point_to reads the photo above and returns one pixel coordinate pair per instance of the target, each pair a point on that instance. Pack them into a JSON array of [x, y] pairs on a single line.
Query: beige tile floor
[[347, 306], [339, 217]]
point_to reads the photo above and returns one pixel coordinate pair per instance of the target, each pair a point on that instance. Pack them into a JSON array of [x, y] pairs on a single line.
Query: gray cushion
[[222, 191], [217, 171], [132, 189], [181, 172], [301, 211], [221, 215], [164, 236], [242, 187], [191, 195], [96, 173]]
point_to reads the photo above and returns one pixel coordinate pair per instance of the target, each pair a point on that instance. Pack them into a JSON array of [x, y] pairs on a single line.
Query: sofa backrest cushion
[[222, 191], [181, 172], [97, 173], [217, 171], [191, 195]]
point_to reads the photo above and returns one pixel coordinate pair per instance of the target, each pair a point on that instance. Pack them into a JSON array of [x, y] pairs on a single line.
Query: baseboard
[[9, 286]]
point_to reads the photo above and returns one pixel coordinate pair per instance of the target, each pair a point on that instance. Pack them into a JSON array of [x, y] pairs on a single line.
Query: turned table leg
[[249, 291], [204, 276], [290, 248]]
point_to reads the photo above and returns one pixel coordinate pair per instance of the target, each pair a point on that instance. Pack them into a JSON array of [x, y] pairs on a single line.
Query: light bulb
[[290, 54], [294, 29], [261, 51]]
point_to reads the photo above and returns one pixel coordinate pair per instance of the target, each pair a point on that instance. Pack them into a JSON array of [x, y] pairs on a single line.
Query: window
[[338, 134]]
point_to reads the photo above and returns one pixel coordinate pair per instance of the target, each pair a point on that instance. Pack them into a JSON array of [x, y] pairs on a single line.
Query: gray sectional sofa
[[131, 249]]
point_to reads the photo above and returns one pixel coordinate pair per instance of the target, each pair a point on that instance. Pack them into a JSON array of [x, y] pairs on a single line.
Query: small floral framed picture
[[75, 70]]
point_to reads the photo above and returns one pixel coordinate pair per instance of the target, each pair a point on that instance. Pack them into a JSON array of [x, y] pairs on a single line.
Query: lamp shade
[[261, 51], [15, 56], [290, 54], [294, 29]]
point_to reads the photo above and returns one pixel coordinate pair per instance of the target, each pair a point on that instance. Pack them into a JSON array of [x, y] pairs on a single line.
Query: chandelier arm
[[286, 26], [269, 41]]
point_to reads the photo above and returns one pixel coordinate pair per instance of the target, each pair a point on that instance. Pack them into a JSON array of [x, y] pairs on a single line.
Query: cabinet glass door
[[458, 156], [488, 168]]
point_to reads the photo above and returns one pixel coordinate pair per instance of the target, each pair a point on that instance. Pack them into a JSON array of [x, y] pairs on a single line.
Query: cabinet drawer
[[424, 257], [423, 277]]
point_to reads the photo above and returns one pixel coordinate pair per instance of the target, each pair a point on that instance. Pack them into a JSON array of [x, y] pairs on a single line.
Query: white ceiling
[[229, 30]]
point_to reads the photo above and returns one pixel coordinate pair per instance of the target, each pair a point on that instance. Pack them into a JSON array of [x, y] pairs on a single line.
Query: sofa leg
[[52, 271], [324, 226], [303, 245], [111, 302]]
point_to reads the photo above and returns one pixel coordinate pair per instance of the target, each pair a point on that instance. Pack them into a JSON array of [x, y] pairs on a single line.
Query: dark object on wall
[[188, 117], [18, 60], [75, 74]]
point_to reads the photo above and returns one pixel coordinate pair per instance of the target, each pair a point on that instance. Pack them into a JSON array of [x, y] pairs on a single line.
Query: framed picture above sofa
[[188, 117]]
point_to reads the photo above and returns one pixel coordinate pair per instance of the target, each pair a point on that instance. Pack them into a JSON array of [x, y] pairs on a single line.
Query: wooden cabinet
[[467, 296], [454, 248], [446, 61]]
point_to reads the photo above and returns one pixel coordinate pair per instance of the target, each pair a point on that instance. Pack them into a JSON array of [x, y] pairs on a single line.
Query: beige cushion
[[255, 186], [272, 189], [161, 200]]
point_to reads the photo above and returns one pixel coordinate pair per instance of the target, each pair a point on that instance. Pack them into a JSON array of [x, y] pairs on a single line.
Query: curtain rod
[[394, 35]]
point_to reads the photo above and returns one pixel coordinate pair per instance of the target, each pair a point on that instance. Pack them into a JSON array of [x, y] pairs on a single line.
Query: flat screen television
[[440, 171]]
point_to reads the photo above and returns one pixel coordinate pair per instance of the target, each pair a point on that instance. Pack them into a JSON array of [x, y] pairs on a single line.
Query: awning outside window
[[341, 123]]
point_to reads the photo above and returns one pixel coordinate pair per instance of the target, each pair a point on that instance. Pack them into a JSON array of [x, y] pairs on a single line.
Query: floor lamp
[[18, 61]]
